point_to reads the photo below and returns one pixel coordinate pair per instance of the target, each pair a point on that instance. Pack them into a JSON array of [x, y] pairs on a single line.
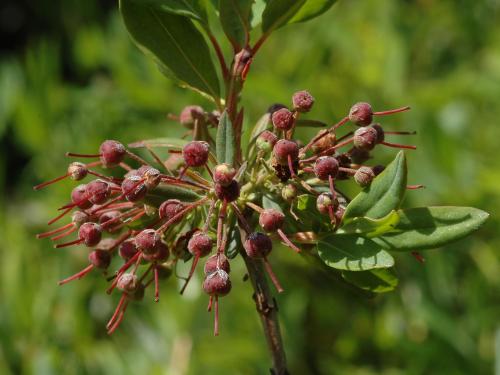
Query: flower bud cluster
[[151, 215]]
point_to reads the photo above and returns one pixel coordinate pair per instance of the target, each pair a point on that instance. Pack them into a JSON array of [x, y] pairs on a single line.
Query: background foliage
[[70, 77]]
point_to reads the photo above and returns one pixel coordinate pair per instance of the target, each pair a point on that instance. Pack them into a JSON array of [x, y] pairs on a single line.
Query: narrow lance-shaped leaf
[[278, 12], [161, 193], [235, 19], [381, 280], [312, 9], [384, 194], [353, 253], [175, 43], [225, 140], [261, 125], [431, 227]]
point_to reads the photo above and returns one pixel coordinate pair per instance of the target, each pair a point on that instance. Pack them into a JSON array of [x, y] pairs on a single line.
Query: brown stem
[[267, 309]]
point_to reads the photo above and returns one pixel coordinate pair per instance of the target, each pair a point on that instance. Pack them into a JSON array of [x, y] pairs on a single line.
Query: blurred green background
[[70, 77]]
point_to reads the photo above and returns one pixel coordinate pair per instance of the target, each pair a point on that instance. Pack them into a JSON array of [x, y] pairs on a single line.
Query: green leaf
[[312, 9], [431, 227], [161, 193], [383, 195], [235, 19], [305, 202], [160, 142], [234, 241], [368, 227], [278, 12], [261, 125], [225, 140], [377, 281], [194, 9], [353, 253], [304, 206], [269, 203], [257, 10], [175, 43]]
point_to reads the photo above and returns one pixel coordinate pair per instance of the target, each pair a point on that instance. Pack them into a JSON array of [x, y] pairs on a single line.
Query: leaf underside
[[312, 9], [377, 281]]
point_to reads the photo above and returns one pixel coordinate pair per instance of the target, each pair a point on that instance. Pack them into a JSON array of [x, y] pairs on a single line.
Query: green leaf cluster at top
[[175, 32], [374, 226]]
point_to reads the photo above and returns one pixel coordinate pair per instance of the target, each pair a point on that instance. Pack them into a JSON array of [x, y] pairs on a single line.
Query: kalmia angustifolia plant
[[153, 213]]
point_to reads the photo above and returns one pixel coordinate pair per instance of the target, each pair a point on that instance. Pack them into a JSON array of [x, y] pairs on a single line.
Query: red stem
[[290, 166], [122, 269], [117, 310], [332, 187], [78, 275], [400, 133], [397, 145], [55, 231], [157, 284], [120, 318], [287, 241], [390, 112], [272, 276], [181, 214], [191, 272], [74, 155], [216, 318], [209, 215], [323, 134], [103, 177], [220, 225], [220, 55], [415, 187], [60, 216], [209, 307], [75, 242], [338, 145], [137, 158], [42, 185], [331, 214], [67, 233]]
